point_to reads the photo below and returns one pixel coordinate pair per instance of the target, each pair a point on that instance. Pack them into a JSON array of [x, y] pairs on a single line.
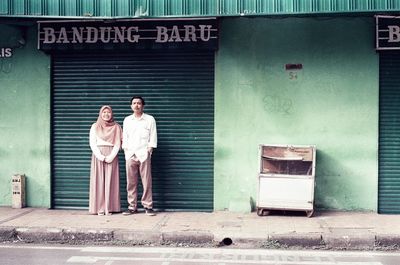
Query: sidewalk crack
[[16, 216], [162, 222]]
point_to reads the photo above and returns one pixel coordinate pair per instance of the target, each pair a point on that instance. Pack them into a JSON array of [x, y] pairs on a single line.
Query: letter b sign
[[394, 33]]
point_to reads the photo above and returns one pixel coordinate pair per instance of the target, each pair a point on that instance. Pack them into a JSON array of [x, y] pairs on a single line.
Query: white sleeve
[[124, 134], [153, 134], [93, 144], [114, 152]]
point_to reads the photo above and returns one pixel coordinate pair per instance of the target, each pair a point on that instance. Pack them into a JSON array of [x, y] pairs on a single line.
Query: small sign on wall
[[293, 70], [6, 52], [387, 32]]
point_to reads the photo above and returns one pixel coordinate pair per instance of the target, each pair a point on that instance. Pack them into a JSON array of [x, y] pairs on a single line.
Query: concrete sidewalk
[[336, 230]]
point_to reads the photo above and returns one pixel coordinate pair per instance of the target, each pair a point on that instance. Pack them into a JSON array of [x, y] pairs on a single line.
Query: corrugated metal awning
[[187, 8]]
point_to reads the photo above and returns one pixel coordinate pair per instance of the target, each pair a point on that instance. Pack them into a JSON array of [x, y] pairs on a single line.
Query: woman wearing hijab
[[105, 142]]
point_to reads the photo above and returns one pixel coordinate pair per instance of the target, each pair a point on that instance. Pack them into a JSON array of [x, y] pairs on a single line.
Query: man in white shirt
[[139, 139]]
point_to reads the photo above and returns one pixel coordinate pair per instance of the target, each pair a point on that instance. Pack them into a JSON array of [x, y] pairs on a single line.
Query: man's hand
[[150, 150]]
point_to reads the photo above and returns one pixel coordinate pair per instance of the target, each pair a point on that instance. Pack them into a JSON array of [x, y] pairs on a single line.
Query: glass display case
[[286, 178]]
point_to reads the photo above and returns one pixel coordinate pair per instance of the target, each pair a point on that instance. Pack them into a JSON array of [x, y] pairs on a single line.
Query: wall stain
[[277, 104], [5, 66]]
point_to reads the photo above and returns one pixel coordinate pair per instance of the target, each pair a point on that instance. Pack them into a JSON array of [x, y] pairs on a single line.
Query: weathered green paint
[[24, 116], [332, 103]]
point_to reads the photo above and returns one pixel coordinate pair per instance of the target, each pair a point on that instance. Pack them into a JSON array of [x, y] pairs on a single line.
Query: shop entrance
[[389, 133], [179, 91]]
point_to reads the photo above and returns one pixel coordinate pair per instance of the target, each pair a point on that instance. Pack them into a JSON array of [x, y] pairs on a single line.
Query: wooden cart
[[286, 178]]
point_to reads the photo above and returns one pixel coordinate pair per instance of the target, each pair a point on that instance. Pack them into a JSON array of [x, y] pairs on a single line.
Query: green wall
[[332, 103], [24, 116]]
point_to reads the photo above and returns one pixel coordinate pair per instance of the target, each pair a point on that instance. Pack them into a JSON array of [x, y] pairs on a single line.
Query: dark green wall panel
[[389, 133], [179, 91]]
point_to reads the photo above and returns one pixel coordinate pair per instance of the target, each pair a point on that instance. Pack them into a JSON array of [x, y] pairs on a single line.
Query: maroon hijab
[[109, 131]]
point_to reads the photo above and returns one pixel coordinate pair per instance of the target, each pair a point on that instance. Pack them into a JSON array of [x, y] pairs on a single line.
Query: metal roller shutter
[[179, 91], [389, 134]]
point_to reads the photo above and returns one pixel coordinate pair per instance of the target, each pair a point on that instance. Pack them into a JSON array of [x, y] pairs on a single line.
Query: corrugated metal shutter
[[389, 133], [187, 8], [179, 91]]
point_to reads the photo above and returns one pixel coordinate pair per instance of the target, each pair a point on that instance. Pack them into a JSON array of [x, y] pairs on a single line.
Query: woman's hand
[[108, 160]]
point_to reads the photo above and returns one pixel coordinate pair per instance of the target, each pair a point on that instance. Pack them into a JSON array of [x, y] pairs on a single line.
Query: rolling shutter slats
[[389, 134], [179, 91]]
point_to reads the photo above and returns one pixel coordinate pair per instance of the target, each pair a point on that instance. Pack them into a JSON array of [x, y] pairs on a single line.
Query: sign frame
[[128, 34], [387, 32]]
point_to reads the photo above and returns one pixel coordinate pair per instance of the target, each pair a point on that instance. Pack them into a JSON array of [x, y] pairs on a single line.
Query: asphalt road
[[100, 255]]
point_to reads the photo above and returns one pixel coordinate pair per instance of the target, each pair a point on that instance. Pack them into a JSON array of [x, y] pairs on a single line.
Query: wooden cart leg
[[262, 212]]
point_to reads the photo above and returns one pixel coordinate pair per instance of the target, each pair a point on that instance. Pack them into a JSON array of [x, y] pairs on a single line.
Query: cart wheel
[[310, 213], [262, 212]]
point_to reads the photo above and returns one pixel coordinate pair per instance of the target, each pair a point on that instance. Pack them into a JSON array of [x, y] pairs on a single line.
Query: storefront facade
[[293, 80], [170, 64]]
